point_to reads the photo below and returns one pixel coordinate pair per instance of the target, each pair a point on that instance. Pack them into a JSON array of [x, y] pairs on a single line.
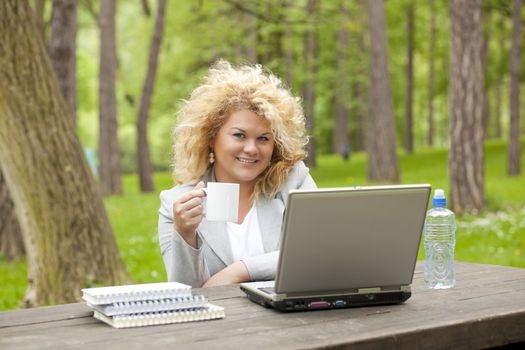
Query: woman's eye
[[264, 138], [239, 135]]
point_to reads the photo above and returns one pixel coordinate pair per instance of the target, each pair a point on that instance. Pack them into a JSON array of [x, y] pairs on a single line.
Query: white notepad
[[135, 292], [141, 306], [208, 312]]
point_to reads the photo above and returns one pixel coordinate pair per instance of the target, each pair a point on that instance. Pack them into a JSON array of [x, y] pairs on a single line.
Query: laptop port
[[300, 305], [319, 305], [339, 303]]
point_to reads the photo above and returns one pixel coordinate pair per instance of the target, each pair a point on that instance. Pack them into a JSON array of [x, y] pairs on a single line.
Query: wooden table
[[486, 309]]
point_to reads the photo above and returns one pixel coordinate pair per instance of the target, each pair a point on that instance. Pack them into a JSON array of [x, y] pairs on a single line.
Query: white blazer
[[192, 266]]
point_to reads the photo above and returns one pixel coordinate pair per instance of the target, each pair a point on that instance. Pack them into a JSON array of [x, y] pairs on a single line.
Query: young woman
[[240, 126]]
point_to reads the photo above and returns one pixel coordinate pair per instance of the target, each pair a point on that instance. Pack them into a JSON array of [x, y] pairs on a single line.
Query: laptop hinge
[[283, 296], [369, 290], [402, 288]]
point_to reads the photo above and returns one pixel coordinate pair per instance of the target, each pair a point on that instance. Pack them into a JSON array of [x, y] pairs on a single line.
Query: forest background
[[324, 51]]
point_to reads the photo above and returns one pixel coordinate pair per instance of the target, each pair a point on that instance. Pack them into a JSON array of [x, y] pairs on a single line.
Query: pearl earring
[[212, 157]]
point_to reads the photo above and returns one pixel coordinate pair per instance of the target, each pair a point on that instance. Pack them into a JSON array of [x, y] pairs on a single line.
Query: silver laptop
[[344, 247]]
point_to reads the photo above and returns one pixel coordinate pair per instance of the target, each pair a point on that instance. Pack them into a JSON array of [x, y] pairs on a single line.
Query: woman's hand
[[234, 273], [188, 213]]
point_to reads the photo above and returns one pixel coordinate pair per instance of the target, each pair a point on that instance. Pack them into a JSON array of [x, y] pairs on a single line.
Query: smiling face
[[243, 148]]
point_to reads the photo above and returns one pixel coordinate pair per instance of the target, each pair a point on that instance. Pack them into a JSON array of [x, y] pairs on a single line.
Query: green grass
[[430, 166], [496, 235], [13, 279]]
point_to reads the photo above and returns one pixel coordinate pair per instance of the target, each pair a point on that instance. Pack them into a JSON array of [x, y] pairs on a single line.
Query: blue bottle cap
[[439, 199]]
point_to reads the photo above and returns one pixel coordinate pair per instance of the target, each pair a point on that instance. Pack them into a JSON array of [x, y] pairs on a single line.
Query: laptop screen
[[348, 238]]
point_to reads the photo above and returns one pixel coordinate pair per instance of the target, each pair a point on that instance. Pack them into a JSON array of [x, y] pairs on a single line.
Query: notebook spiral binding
[[136, 307], [209, 312], [135, 292]]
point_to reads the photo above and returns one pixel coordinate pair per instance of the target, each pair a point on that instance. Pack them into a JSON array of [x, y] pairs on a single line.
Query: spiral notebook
[[149, 304], [208, 312], [135, 292]]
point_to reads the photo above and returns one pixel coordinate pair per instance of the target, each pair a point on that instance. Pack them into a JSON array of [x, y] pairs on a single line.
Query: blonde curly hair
[[227, 89]]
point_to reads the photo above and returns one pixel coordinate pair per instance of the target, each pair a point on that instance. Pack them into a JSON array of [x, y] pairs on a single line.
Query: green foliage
[[397, 37], [494, 236], [199, 32]]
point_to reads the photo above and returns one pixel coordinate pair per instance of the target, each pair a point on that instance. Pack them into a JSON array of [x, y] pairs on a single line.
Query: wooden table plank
[[487, 308]]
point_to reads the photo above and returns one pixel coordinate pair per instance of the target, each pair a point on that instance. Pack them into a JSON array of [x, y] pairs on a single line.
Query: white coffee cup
[[222, 201]]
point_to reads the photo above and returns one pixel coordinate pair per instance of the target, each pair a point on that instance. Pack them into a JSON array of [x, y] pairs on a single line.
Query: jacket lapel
[[216, 236]]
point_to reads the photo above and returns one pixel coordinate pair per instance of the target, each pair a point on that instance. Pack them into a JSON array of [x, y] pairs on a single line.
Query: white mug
[[222, 201]]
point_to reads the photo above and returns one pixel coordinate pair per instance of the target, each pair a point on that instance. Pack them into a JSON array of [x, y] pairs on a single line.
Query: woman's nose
[[250, 146]]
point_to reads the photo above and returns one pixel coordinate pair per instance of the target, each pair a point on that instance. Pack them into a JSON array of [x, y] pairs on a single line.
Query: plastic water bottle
[[440, 240]]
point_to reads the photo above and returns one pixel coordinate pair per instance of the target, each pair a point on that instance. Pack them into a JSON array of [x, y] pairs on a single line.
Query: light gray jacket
[[192, 266]]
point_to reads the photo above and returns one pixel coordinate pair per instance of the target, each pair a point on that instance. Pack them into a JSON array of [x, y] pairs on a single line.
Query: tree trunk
[[62, 50], [289, 59], [276, 38], [409, 136], [11, 242], [310, 66], [259, 40], [144, 162], [382, 156], [341, 142], [466, 106], [431, 73], [238, 53], [264, 30], [67, 234], [514, 167], [145, 8], [251, 47], [498, 108], [359, 97], [109, 150], [485, 115], [39, 9], [498, 133], [359, 91]]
